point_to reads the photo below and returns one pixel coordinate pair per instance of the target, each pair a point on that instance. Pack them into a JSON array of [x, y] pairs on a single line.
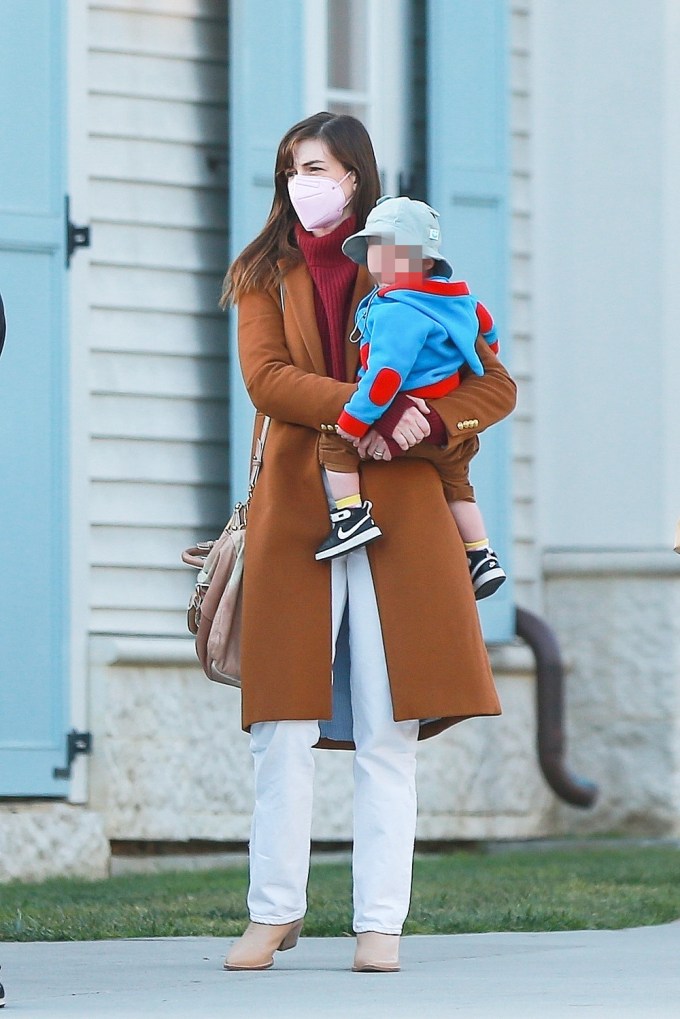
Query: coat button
[[460, 426]]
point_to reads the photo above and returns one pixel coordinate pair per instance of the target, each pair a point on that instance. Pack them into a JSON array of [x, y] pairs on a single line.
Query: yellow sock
[[470, 546], [349, 500]]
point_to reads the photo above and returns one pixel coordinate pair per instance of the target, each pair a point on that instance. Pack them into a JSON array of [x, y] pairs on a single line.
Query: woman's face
[[310, 156]]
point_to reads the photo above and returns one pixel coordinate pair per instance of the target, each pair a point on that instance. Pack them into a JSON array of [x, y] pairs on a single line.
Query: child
[[417, 330]]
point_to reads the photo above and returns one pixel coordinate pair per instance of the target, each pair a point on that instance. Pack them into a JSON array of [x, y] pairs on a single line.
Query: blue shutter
[[468, 183], [33, 387], [266, 98]]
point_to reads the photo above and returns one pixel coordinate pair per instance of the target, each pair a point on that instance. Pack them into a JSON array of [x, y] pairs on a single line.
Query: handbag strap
[[258, 454]]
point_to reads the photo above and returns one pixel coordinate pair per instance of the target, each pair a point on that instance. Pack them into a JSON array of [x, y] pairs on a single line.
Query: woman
[[383, 647]]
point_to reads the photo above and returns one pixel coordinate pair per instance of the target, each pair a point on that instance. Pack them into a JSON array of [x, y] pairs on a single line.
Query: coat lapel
[[299, 295]]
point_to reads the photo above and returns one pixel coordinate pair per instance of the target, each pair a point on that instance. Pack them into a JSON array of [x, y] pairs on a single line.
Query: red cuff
[[394, 448], [386, 424], [438, 435], [352, 425]]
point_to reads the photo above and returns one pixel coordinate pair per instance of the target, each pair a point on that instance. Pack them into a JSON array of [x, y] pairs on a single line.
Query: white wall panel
[[138, 588], [153, 162], [600, 151], [144, 417], [156, 77], [160, 247], [138, 289], [158, 332], [143, 460], [141, 546], [162, 205], [147, 621], [158, 129], [158, 375], [190, 123], [159, 32], [146, 504]]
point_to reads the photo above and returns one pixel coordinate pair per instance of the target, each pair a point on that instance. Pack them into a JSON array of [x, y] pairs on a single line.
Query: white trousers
[[384, 783]]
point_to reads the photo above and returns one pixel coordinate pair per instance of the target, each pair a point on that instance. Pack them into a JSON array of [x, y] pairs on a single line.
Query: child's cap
[[401, 221]]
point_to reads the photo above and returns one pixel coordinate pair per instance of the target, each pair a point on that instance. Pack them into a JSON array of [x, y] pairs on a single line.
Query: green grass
[[566, 889]]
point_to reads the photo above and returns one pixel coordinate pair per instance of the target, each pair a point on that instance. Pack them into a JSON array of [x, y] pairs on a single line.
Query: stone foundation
[[42, 840], [617, 616], [171, 761]]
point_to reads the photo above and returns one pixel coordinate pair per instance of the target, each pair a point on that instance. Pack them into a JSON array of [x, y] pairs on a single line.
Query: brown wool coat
[[436, 658]]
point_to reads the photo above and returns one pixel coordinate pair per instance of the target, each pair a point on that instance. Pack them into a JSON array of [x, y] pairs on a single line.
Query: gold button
[[460, 426], [475, 423], [324, 428]]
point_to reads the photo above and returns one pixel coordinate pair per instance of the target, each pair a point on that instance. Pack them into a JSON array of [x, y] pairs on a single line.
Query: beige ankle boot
[[256, 946], [376, 953]]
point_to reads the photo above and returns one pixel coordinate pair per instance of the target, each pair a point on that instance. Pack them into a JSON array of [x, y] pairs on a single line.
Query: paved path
[[617, 974]]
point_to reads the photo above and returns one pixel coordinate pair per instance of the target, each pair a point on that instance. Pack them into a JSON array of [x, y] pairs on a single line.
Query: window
[[357, 62]]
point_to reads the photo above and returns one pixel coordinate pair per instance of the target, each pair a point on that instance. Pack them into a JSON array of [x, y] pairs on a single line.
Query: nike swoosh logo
[[342, 534]]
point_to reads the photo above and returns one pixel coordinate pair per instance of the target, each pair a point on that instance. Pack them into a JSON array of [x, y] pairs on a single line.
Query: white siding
[[157, 129], [526, 558]]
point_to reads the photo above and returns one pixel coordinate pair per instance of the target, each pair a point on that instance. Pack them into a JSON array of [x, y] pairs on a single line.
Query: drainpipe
[[580, 792]]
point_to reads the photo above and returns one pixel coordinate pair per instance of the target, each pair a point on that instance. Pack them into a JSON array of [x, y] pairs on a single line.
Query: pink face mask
[[318, 201]]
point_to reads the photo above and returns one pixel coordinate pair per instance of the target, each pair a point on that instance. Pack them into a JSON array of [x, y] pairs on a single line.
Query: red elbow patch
[[484, 318], [385, 385]]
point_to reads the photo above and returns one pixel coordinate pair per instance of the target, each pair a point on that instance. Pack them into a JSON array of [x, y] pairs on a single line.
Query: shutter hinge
[[76, 743], [76, 236]]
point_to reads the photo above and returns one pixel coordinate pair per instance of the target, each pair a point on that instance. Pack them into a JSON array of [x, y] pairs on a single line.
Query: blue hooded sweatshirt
[[414, 340]]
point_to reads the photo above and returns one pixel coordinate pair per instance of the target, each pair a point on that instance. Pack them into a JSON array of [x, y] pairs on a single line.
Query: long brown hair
[[348, 141]]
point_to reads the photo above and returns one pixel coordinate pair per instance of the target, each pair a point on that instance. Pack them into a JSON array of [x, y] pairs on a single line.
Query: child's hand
[[345, 435]]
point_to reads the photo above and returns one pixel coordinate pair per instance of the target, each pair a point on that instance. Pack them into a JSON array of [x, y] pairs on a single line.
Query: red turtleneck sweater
[[334, 276]]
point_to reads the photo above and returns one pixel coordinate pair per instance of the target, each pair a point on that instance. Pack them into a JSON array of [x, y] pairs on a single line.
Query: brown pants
[[452, 463]]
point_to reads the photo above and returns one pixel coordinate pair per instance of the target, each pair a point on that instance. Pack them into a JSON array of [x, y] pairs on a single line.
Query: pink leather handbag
[[214, 613]]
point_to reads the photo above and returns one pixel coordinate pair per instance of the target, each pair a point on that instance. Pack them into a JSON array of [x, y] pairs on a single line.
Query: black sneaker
[[352, 528], [486, 573]]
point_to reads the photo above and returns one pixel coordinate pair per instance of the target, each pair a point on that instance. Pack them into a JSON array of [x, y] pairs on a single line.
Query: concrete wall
[[171, 761], [42, 840], [618, 617]]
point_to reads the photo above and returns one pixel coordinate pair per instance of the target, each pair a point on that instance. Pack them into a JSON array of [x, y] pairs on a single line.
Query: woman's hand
[[413, 426], [373, 447]]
